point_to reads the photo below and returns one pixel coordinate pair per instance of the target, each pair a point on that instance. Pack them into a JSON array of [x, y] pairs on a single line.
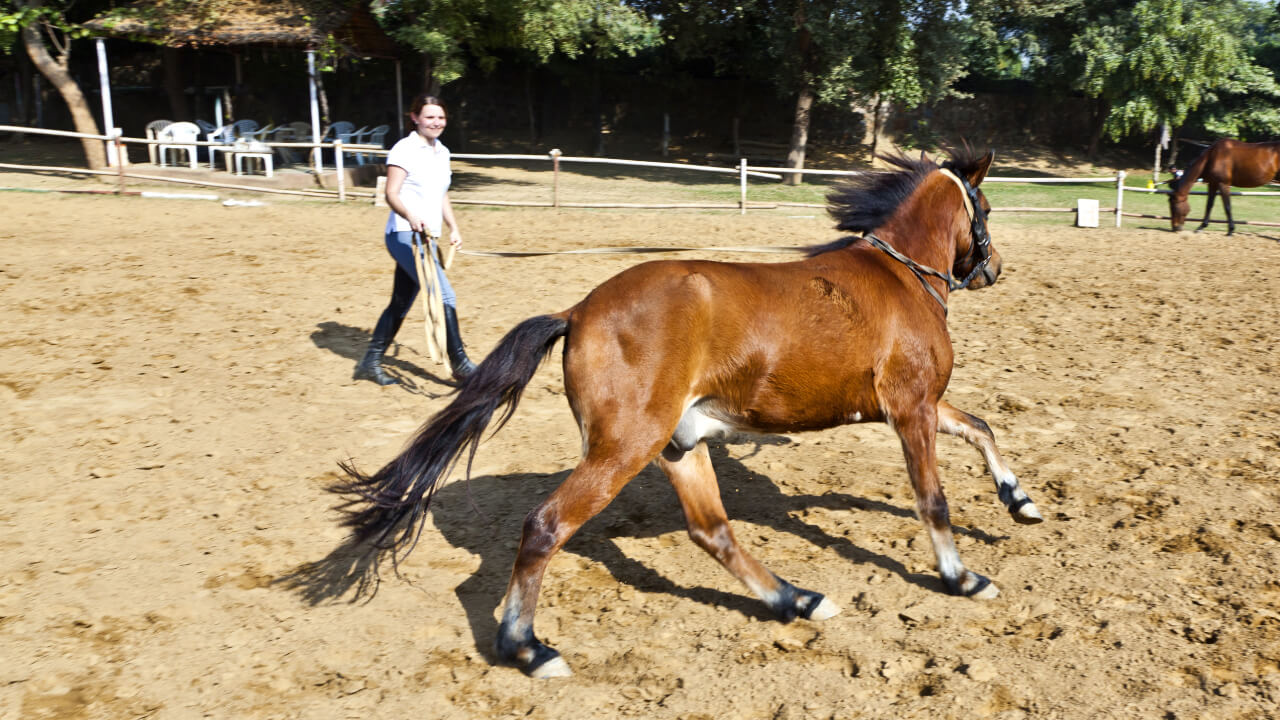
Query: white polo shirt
[[428, 180]]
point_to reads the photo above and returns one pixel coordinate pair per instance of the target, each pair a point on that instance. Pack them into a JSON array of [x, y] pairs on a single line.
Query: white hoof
[[1029, 514], [825, 610], [989, 592], [553, 668]]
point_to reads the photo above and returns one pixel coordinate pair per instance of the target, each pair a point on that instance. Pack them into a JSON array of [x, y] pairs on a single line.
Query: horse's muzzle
[[990, 272]]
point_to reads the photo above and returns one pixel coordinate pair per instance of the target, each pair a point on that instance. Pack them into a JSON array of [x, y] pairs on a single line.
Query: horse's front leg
[[977, 433], [1208, 208], [918, 432]]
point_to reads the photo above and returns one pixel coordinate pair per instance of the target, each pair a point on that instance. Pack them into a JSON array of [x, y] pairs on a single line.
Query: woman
[[418, 178]]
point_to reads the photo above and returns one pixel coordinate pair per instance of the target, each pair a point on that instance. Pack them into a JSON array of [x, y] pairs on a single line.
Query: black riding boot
[[458, 360], [370, 368]]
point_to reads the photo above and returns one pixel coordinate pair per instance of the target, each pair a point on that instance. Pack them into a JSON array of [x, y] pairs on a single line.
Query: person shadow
[[485, 515], [351, 342]]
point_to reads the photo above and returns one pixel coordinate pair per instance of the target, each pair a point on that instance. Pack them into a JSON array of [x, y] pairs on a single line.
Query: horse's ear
[[979, 173], [924, 156]]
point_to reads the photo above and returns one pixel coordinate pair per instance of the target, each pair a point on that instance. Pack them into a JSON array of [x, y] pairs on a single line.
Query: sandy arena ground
[[175, 392]]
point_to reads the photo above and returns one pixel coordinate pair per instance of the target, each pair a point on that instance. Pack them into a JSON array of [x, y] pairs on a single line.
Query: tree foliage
[[452, 33], [1159, 60]]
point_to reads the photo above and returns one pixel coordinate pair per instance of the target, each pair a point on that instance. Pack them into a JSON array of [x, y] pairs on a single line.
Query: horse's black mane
[[864, 202]]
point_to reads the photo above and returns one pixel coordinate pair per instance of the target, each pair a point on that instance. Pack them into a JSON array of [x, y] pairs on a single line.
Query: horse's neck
[[916, 233]]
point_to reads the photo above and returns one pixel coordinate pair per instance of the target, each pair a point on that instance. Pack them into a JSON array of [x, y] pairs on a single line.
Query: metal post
[[317, 160], [1119, 195], [742, 182], [399, 126], [555, 178], [104, 89]]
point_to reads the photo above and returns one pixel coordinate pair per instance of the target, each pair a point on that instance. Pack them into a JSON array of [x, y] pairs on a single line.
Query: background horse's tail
[[388, 507]]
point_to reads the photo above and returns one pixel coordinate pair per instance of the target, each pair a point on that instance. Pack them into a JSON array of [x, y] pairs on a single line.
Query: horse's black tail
[[388, 507]]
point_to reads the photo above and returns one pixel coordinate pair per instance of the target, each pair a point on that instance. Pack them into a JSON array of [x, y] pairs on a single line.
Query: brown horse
[[1225, 163], [668, 354]]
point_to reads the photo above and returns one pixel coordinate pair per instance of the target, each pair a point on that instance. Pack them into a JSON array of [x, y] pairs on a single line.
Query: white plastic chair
[[179, 136], [153, 132], [292, 132], [342, 127], [376, 136], [228, 135]]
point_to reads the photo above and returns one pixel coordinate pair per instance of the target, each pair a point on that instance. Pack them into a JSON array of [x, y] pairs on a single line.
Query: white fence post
[[555, 177], [742, 183], [338, 161], [1119, 196]]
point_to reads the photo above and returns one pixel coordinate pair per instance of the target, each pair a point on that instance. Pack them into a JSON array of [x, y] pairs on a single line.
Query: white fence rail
[[116, 142]]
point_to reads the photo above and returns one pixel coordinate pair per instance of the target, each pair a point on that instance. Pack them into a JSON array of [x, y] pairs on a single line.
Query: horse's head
[[1179, 208], [977, 261], [1179, 205]]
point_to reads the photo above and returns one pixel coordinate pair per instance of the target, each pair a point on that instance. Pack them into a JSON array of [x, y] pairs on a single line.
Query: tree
[[450, 33], [828, 52], [1156, 62], [37, 24]]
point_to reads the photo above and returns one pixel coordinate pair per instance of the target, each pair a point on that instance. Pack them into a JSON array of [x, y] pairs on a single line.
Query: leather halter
[[977, 228]]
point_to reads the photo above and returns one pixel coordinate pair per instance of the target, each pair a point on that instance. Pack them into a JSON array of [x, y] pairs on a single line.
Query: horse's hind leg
[[918, 433], [695, 483], [977, 433], [587, 490]]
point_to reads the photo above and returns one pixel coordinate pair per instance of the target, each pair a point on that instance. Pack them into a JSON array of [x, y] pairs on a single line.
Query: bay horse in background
[[668, 354], [1225, 163]]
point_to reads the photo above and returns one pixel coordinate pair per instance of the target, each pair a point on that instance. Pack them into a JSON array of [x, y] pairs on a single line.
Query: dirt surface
[[175, 392]]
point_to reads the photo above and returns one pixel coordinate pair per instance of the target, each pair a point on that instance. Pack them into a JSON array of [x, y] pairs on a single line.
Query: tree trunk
[[1101, 112], [597, 106], [874, 112], [55, 70], [430, 85], [529, 106], [799, 136], [179, 108]]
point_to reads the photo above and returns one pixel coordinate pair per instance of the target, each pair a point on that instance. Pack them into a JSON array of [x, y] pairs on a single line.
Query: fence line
[[744, 170]]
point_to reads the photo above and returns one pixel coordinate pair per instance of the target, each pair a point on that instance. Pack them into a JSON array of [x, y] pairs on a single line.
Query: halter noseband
[[978, 230]]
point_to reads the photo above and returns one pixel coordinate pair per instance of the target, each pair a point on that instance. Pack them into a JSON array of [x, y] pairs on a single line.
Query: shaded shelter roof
[[307, 24]]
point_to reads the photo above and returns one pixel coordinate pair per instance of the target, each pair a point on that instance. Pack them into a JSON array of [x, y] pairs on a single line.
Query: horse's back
[[785, 346], [1242, 164]]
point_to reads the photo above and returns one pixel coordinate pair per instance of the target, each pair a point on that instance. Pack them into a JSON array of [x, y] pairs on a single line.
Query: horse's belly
[[708, 419]]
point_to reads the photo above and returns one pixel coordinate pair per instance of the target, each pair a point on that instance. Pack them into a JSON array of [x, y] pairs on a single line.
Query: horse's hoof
[[990, 592], [825, 610], [554, 668], [973, 586], [1028, 514]]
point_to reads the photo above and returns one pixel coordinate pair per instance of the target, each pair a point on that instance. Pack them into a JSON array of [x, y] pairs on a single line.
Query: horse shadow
[[350, 342], [485, 515]]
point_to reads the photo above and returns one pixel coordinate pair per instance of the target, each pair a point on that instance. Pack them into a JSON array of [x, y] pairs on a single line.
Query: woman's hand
[[455, 238]]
